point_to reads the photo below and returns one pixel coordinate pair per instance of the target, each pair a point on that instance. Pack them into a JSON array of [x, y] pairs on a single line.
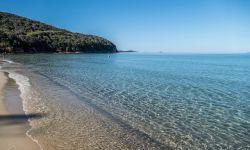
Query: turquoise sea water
[[182, 101]]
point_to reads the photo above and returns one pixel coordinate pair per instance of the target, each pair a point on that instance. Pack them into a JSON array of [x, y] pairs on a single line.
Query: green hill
[[19, 34]]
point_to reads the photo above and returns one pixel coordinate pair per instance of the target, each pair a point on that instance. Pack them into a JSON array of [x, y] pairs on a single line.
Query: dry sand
[[12, 133]]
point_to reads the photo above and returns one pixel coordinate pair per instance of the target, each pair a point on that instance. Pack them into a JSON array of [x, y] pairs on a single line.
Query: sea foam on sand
[[24, 87]]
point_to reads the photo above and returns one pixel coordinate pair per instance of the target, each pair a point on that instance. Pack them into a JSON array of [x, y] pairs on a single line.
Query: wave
[[24, 87], [8, 61]]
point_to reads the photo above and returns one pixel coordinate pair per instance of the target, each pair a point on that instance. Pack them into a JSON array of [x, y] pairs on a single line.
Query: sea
[[135, 100]]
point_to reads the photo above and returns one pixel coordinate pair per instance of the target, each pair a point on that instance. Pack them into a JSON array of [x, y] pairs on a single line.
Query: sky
[[175, 26]]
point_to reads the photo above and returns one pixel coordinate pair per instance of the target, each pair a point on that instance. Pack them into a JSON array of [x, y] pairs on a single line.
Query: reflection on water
[[182, 101]]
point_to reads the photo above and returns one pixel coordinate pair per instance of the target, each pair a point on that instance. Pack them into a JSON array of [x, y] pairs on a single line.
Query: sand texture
[[12, 131]]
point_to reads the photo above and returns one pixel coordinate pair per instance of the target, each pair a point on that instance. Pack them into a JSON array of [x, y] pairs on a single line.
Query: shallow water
[[177, 101]]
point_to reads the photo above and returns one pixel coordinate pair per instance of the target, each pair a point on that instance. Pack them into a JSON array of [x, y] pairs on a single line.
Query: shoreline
[[14, 125], [99, 128], [93, 106]]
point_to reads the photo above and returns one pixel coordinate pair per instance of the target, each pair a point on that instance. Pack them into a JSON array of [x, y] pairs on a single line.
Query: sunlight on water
[[183, 101]]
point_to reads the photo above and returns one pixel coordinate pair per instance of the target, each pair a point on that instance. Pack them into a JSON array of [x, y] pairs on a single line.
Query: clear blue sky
[[149, 25]]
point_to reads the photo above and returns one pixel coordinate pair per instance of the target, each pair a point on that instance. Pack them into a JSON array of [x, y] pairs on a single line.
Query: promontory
[[22, 35]]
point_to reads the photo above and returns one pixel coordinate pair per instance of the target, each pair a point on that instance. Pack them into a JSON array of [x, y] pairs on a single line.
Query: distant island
[[23, 35], [124, 51]]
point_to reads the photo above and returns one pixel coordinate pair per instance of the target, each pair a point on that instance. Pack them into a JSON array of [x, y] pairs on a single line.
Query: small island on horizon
[[126, 51], [22, 35]]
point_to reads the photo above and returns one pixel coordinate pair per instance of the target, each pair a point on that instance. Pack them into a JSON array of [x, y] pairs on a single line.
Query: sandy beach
[[12, 131]]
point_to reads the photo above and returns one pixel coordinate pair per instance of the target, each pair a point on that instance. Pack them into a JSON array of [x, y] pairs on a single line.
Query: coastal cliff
[[22, 35]]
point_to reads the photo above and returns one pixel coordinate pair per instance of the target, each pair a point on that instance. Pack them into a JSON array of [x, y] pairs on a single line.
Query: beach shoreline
[[13, 122], [90, 101], [98, 127]]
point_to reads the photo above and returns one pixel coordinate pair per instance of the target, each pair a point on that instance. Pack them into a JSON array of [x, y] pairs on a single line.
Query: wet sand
[[13, 129], [67, 121]]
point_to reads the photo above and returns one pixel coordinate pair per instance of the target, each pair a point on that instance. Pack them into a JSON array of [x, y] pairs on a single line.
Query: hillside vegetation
[[19, 34]]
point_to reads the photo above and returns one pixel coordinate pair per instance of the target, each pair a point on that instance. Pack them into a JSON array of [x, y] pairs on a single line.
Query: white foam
[[24, 87], [8, 61]]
